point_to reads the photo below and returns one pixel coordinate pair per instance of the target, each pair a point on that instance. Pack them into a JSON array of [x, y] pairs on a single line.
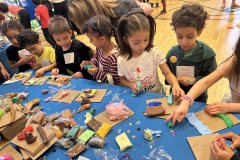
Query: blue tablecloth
[[175, 144]]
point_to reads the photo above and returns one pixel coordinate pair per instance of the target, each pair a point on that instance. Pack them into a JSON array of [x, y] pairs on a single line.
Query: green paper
[[1, 112], [85, 136], [225, 118], [69, 72], [71, 134]]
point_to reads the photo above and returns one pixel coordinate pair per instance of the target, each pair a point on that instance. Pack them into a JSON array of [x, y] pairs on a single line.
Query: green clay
[[226, 119]]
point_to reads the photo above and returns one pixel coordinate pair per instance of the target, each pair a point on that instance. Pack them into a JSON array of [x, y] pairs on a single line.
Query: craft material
[[63, 94], [30, 138], [86, 135], [42, 134], [39, 117], [71, 134], [76, 150], [103, 130], [96, 142], [154, 111], [148, 135], [44, 91], [94, 124], [87, 66], [117, 111], [123, 141], [227, 120]]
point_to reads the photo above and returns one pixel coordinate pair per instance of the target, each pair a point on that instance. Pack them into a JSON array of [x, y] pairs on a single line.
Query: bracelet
[[188, 98]]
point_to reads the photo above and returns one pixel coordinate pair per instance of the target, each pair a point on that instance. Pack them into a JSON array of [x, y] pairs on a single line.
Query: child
[[233, 5], [4, 75], [4, 9], [41, 13], [11, 29], [190, 60], [69, 53], [228, 69], [139, 59], [219, 150], [104, 62], [44, 55]]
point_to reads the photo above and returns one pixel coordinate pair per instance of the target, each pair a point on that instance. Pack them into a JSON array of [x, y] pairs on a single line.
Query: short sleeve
[[120, 66], [157, 56], [225, 67], [52, 55]]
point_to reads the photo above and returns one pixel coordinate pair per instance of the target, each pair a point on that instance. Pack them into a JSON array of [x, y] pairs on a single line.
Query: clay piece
[[6, 157], [89, 93], [15, 99], [52, 117], [67, 114], [11, 95], [30, 104], [62, 122], [76, 150], [96, 142], [38, 118], [88, 117], [42, 134], [94, 125], [48, 99], [123, 141], [80, 131], [85, 136], [71, 134], [65, 143], [85, 100], [117, 111], [83, 107], [44, 91], [21, 135], [148, 135], [61, 79], [63, 94], [2, 112], [22, 95], [155, 111], [103, 130], [30, 138], [72, 122], [57, 131]]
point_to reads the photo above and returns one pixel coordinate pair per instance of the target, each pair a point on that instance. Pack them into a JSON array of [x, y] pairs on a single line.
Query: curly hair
[[190, 15], [27, 38], [11, 25], [98, 25], [3, 8]]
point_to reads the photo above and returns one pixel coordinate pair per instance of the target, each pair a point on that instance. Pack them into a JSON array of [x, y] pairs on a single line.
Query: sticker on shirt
[[23, 52], [45, 63], [69, 58], [185, 71]]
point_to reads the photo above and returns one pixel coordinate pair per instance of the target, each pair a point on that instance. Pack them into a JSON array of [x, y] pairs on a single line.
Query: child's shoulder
[[48, 49], [207, 50]]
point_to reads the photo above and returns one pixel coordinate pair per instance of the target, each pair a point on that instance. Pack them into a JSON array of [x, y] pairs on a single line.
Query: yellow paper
[[103, 130], [123, 141]]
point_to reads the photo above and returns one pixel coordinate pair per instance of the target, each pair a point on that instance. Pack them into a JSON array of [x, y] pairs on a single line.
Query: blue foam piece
[[154, 104]]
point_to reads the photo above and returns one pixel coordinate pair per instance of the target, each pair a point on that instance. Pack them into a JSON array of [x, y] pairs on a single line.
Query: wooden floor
[[216, 34]]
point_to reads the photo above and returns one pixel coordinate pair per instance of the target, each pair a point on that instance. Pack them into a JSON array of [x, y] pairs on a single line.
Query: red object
[[42, 12], [28, 129], [21, 136], [14, 9], [138, 69]]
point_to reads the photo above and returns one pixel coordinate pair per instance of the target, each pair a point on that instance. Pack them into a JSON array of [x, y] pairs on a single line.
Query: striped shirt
[[107, 65]]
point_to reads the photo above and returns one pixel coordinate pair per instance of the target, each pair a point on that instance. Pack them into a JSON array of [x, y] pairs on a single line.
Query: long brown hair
[[82, 10], [132, 22], [236, 65]]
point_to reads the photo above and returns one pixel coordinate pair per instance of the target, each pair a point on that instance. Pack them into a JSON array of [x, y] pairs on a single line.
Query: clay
[[24, 80], [44, 91], [76, 150], [63, 94], [39, 117], [96, 142], [155, 111], [15, 99], [65, 143], [85, 100], [83, 107], [52, 117], [67, 114], [117, 111], [42, 134], [30, 138], [94, 124], [31, 103]]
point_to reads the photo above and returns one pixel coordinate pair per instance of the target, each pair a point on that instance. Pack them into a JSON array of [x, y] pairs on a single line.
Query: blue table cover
[[174, 143]]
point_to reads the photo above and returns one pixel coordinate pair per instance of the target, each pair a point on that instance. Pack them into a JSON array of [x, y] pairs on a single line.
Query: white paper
[[185, 71], [69, 58], [23, 52]]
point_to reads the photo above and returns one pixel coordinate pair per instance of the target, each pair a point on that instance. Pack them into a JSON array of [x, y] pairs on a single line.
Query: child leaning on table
[[44, 55], [190, 60], [104, 62], [139, 59], [228, 69], [69, 53]]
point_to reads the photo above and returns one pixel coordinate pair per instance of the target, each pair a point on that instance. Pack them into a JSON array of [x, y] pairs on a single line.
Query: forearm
[[15, 65], [171, 79], [49, 68], [125, 82], [233, 107]]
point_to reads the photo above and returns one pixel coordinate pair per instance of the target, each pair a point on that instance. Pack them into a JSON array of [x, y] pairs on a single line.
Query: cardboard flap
[[53, 82], [68, 98], [39, 81], [11, 151], [6, 118]]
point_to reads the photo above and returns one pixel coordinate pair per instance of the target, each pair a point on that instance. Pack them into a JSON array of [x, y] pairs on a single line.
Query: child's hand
[[220, 150], [179, 113], [5, 74], [217, 108], [39, 72], [134, 88], [234, 138], [177, 91], [55, 71], [85, 63], [92, 70], [186, 81], [77, 75]]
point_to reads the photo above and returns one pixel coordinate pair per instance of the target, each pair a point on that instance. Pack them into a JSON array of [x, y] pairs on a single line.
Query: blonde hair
[[82, 10], [58, 25]]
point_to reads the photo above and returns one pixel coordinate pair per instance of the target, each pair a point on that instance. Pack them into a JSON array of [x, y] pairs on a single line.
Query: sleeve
[[119, 66], [168, 63], [235, 157], [114, 69], [37, 12], [9, 55], [225, 67], [157, 56], [52, 55], [209, 66], [83, 53]]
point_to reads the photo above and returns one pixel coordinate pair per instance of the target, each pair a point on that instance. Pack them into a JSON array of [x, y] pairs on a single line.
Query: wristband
[[188, 98]]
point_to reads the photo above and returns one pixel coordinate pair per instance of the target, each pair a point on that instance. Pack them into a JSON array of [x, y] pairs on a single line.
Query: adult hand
[[55, 71], [220, 151], [234, 138], [216, 108], [77, 75]]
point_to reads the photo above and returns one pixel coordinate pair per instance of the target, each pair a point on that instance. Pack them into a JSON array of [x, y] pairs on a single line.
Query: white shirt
[[143, 69]]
